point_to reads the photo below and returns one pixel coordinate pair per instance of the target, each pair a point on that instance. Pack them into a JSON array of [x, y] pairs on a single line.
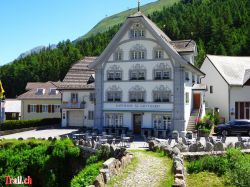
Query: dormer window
[[53, 91], [40, 91]]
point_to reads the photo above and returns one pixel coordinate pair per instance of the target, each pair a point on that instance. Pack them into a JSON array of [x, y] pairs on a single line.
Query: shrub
[[48, 163], [87, 176], [19, 124]]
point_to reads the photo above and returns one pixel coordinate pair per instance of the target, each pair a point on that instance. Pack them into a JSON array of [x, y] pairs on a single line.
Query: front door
[[196, 100], [137, 118]]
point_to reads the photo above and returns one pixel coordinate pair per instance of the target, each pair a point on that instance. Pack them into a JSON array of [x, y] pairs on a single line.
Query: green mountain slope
[[113, 20]]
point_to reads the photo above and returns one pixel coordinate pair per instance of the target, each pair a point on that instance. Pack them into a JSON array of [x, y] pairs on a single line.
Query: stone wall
[[112, 167]]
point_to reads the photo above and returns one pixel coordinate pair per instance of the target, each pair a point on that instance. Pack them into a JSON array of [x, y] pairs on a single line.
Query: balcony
[[73, 105]]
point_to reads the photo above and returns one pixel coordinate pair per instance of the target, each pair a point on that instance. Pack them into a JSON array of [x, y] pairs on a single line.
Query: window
[[193, 78], [32, 108], [161, 121], [45, 108], [57, 108], [114, 96], [137, 31], [162, 72], [161, 94], [114, 73], [186, 76], [40, 91], [90, 115], [74, 97], [114, 120], [137, 72], [137, 55], [92, 96], [53, 91], [198, 80], [118, 55], [211, 89], [187, 97], [137, 94], [158, 54]]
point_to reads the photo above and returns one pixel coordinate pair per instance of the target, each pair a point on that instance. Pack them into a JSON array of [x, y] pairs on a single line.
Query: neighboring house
[[78, 95], [12, 109], [228, 80], [144, 80], [42, 100]]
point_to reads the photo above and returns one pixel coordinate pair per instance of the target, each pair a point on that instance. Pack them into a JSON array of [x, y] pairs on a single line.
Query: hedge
[[48, 163], [19, 124]]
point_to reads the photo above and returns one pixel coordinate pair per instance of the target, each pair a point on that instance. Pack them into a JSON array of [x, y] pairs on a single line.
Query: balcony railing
[[73, 105]]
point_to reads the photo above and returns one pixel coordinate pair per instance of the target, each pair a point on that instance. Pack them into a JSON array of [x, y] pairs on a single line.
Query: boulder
[[200, 146], [152, 145], [209, 147], [231, 145], [219, 146], [179, 183], [176, 151], [193, 147], [182, 147]]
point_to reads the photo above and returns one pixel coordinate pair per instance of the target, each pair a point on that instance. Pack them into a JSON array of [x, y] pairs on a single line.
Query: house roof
[[12, 105], [235, 70], [79, 75], [46, 86], [174, 47]]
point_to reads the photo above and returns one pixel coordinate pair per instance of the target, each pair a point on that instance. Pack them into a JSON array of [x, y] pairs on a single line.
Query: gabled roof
[[172, 47], [46, 86], [78, 76], [235, 70]]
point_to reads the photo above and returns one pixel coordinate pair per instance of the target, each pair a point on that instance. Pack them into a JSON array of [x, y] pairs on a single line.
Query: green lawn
[[206, 179]]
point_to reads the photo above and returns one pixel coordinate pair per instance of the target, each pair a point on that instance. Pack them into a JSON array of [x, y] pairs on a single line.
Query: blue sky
[[25, 24]]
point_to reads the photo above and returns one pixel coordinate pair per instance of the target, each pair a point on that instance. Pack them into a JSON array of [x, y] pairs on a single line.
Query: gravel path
[[149, 172]]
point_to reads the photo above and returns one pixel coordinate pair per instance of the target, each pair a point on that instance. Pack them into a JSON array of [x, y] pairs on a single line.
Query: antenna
[[138, 5]]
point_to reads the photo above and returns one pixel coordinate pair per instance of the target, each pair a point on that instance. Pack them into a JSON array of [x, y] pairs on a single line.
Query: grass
[[116, 19], [207, 179]]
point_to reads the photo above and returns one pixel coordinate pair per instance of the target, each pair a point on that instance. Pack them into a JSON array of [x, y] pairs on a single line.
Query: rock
[[219, 146], [200, 147], [209, 147], [176, 151], [193, 147], [231, 145], [152, 145], [179, 176], [182, 147], [179, 183]]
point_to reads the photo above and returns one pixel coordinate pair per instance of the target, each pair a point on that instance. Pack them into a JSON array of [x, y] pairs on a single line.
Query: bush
[[19, 124], [48, 163], [87, 176]]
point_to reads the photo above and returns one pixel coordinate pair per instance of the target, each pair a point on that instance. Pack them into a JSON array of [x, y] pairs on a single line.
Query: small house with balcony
[[41, 100], [78, 96], [145, 82]]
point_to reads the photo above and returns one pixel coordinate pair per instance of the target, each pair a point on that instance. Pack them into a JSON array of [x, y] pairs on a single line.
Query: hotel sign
[[138, 106]]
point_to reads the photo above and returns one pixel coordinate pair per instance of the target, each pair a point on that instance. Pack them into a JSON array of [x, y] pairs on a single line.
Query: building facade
[[42, 100], [228, 81], [78, 95], [144, 80]]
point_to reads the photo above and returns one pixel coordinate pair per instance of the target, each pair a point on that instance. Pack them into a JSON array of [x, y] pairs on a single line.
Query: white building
[[144, 80], [228, 79], [78, 95], [12, 109]]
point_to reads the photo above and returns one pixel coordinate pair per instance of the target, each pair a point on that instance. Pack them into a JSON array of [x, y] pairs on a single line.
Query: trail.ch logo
[[18, 180]]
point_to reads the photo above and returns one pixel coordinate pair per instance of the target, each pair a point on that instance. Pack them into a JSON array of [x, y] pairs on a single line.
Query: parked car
[[234, 127]]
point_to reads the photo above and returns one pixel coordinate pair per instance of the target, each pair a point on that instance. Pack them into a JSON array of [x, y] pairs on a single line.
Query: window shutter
[[41, 109], [37, 108], [52, 108], [28, 108], [49, 108]]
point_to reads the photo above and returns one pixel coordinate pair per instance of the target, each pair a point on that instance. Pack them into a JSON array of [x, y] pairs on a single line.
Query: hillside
[[116, 19], [220, 27]]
